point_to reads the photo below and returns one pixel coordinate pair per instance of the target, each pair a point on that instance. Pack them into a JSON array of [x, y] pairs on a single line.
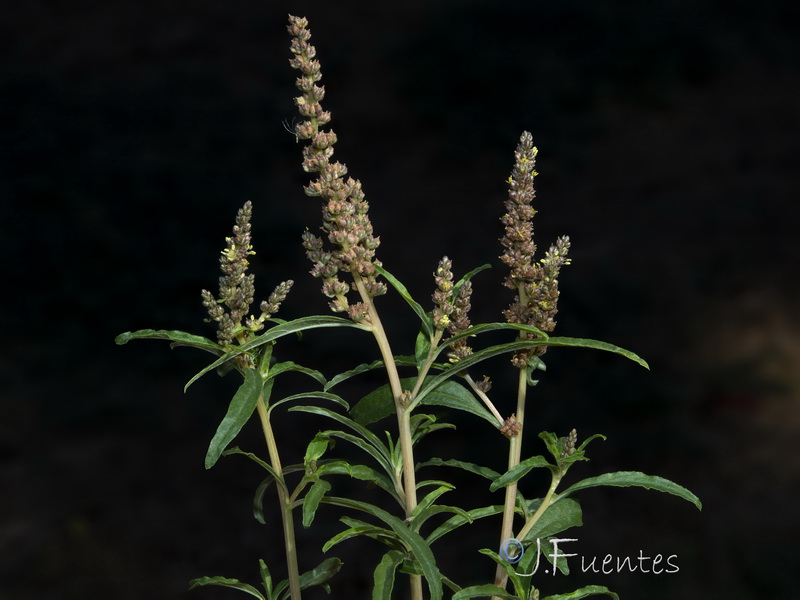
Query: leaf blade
[[635, 479], [239, 412]]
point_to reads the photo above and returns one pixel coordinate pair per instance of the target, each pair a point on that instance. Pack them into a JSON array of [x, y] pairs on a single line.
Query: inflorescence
[[237, 287], [345, 212], [536, 282]]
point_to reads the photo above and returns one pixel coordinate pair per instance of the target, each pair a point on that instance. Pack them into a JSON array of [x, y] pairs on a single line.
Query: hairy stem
[[285, 502], [403, 416]]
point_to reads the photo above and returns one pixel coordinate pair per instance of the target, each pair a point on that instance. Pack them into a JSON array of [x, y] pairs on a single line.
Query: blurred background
[[132, 131]]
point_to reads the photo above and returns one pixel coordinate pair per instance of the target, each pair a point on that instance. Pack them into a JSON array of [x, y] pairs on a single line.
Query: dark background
[[133, 130]]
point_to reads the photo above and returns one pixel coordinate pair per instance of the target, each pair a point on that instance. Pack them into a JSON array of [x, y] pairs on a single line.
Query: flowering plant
[[439, 373]]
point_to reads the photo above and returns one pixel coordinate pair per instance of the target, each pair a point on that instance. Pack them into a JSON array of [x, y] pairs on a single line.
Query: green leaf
[[434, 510], [315, 449], [362, 472], [635, 479], [516, 473], [460, 283], [559, 516], [476, 330], [258, 500], [307, 395], [516, 580], [258, 461], [362, 368], [383, 578], [454, 395], [226, 582], [379, 403], [421, 348], [422, 425], [481, 355], [312, 500], [279, 331], [365, 433], [321, 573], [284, 367], [429, 499], [266, 578], [359, 528], [415, 543], [483, 591], [589, 590], [239, 411], [459, 520], [179, 338], [375, 453], [466, 466], [569, 342], [427, 322]]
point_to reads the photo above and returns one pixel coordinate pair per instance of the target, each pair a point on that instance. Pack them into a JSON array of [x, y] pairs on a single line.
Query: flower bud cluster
[[444, 290], [536, 282], [569, 444], [459, 323], [237, 287], [345, 212]]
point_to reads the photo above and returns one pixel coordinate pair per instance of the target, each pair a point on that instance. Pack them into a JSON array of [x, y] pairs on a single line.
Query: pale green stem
[[514, 453], [546, 502], [428, 363], [482, 395], [403, 416], [285, 502]]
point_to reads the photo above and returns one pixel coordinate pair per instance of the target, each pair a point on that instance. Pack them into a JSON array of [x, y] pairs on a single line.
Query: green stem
[[546, 502], [482, 395], [403, 416], [285, 502], [514, 454], [423, 372]]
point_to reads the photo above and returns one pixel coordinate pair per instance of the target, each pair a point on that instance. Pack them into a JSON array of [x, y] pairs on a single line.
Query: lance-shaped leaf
[[312, 500], [459, 520], [266, 466], [178, 338], [516, 580], [361, 472], [411, 539], [481, 355], [358, 528], [635, 479], [460, 283], [239, 412], [284, 367], [307, 396], [279, 331], [226, 582], [427, 322], [426, 503], [483, 591], [559, 516], [317, 576], [517, 472], [584, 592], [383, 578], [466, 466], [379, 403], [266, 577]]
